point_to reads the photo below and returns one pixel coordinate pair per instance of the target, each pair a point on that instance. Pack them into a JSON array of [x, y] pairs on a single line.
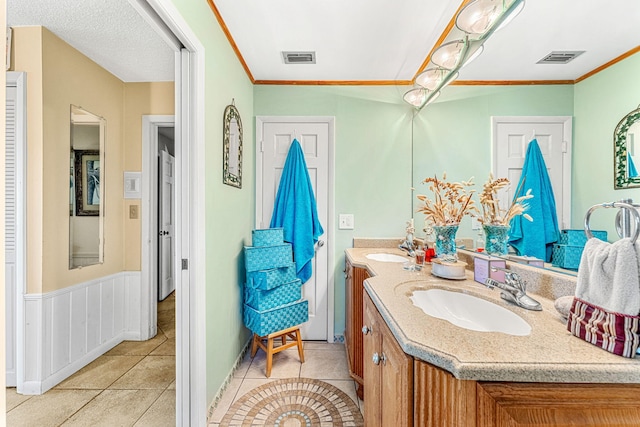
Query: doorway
[[511, 136], [316, 136]]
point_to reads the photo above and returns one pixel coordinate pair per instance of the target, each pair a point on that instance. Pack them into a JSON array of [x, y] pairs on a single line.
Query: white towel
[[608, 276]]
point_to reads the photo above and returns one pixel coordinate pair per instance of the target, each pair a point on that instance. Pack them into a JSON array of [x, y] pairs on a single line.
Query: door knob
[[320, 243], [376, 358], [365, 329]]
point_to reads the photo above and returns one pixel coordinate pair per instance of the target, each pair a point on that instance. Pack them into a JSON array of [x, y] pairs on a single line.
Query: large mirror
[[86, 201], [626, 151]]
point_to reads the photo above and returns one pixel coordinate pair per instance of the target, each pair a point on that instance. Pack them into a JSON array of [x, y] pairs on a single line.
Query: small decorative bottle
[[480, 241]]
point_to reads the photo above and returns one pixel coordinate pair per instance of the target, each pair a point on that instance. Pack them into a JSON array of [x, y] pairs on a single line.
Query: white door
[[511, 137], [274, 136], [15, 231], [10, 273], [165, 225]]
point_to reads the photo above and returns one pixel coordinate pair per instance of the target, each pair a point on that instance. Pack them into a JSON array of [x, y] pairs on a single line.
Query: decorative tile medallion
[[294, 402]]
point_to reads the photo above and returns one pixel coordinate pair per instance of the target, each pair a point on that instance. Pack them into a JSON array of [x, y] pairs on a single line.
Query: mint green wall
[[372, 159], [229, 211], [455, 136], [601, 101]]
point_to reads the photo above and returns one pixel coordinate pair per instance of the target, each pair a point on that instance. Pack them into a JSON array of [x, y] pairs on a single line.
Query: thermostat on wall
[[132, 184]]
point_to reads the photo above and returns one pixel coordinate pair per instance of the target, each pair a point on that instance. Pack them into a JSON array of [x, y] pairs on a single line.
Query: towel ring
[[620, 205]]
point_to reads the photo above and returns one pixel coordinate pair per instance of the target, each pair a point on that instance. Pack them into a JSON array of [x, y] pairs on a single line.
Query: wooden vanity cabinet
[[403, 391], [354, 289], [388, 373]]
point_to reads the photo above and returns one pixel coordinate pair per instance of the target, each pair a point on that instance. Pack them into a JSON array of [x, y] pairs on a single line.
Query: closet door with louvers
[[14, 211]]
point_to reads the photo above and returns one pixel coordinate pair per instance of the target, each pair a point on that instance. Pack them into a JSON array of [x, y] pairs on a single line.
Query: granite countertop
[[549, 354]]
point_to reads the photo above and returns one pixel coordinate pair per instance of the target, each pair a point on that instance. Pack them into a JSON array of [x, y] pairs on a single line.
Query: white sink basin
[[387, 257], [469, 312]]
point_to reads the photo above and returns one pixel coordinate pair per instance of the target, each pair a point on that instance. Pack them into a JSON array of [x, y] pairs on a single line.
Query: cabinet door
[[397, 382], [372, 371], [354, 288], [348, 305], [527, 404]]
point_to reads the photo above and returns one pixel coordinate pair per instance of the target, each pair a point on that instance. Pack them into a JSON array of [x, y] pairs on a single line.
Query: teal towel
[[535, 238], [295, 211]]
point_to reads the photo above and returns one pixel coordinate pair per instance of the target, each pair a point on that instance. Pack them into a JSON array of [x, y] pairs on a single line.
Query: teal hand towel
[[632, 172], [296, 212], [535, 238]]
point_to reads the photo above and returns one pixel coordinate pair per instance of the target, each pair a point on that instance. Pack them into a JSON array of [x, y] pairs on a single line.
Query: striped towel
[[617, 333]]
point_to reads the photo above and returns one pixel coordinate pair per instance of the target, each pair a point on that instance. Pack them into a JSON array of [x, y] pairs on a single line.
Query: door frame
[[149, 187], [330, 121], [19, 80], [190, 272], [567, 137]]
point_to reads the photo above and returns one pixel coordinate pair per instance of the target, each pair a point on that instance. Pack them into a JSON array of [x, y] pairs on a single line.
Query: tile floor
[[131, 385], [323, 361]]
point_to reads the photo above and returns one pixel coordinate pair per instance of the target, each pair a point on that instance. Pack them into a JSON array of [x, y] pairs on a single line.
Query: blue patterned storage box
[[267, 322], [269, 279], [566, 256], [267, 237], [281, 295], [267, 257], [578, 237]]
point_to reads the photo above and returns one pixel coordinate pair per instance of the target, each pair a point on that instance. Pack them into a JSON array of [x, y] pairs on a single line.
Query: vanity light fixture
[[416, 96], [449, 54], [477, 21], [479, 16]]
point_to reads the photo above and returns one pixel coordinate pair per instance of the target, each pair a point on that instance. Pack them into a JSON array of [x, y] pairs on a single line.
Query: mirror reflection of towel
[[535, 238], [632, 172], [296, 212]]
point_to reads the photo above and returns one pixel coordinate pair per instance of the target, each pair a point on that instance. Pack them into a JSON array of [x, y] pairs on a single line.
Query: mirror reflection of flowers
[[492, 214], [451, 201]]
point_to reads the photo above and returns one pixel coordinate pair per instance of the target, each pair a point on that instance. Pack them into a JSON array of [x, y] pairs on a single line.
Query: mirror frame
[[230, 113], [621, 179]]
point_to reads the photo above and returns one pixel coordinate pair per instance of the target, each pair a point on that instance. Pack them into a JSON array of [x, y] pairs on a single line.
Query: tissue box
[[566, 256], [267, 237], [528, 260], [281, 295], [269, 279], [267, 322], [267, 257], [578, 237], [482, 268]]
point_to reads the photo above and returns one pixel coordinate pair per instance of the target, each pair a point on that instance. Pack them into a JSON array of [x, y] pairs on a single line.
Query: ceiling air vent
[[560, 57], [299, 57]]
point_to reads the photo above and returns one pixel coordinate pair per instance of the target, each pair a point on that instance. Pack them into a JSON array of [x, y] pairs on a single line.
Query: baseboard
[[227, 380]]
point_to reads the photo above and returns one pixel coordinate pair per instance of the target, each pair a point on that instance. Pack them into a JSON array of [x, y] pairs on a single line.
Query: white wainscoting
[[69, 328]]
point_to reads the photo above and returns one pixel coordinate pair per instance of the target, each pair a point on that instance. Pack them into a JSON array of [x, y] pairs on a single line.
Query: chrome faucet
[[408, 244], [513, 290]]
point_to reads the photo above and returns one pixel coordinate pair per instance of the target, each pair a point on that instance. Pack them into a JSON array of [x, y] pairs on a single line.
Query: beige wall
[[140, 99], [58, 76]]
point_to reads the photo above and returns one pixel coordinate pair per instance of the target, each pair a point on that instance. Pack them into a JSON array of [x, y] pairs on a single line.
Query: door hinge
[[185, 264], [564, 146], [262, 146]]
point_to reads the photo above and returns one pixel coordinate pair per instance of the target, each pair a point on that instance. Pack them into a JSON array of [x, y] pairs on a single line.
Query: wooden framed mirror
[[626, 151], [232, 146]]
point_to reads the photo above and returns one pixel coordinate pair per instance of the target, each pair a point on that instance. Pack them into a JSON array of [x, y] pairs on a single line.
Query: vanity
[[421, 370]]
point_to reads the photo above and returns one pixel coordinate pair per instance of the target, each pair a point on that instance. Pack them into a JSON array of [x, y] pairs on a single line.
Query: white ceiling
[[357, 40]]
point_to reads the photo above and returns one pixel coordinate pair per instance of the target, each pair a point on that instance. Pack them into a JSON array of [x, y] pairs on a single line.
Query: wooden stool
[[293, 333]]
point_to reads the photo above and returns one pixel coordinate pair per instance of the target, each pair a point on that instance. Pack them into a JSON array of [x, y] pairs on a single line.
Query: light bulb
[[415, 97], [448, 55]]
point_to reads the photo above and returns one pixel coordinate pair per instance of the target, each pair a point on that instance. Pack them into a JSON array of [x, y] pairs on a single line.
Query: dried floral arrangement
[[492, 214], [450, 203]]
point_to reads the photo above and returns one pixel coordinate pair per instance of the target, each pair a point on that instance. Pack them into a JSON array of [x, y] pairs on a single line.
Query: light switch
[[345, 222]]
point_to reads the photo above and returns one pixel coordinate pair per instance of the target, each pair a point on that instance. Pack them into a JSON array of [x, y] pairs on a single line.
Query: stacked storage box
[[568, 251], [272, 293]]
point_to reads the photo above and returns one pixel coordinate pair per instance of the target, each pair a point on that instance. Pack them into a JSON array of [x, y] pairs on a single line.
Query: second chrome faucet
[[513, 289]]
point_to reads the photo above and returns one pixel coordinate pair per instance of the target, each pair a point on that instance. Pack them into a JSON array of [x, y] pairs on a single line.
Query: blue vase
[[497, 239], [446, 242]]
